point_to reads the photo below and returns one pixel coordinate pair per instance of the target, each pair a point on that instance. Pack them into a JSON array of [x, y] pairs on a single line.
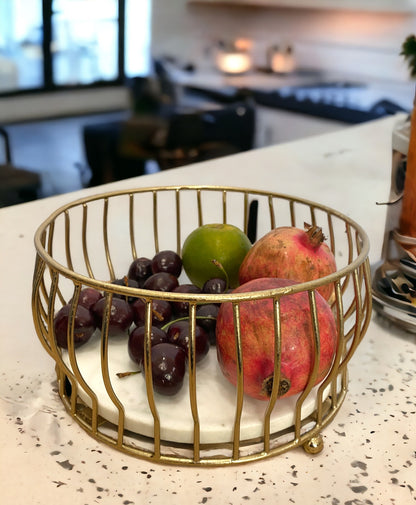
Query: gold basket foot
[[314, 445]]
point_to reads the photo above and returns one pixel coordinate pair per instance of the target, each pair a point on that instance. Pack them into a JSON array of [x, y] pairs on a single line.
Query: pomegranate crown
[[315, 234]]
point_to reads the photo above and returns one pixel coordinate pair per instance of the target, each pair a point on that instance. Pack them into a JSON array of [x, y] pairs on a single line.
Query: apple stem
[[223, 271]]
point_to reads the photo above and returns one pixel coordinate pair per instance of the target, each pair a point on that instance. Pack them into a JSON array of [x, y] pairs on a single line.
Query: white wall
[[365, 42]]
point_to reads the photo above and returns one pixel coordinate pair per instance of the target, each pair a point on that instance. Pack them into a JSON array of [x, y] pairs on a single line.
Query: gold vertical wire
[[246, 206], [224, 206], [342, 344], [350, 309], [358, 243], [276, 373], [155, 223], [74, 363], [271, 212], [38, 285], [51, 310], [331, 233], [105, 369], [51, 336], [39, 314], [364, 306], [68, 241], [199, 204], [367, 296], [313, 215], [358, 322], [368, 300], [334, 371], [51, 234], [192, 381], [106, 245], [131, 226], [315, 369], [178, 221], [342, 341], [42, 284], [50, 252], [292, 213], [332, 247], [350, 242], [147, 364], [350, 246], [84, 239], [240, 381], [61, 381]]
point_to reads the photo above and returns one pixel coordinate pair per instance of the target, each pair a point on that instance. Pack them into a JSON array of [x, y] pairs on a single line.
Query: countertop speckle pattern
[[369, 457]]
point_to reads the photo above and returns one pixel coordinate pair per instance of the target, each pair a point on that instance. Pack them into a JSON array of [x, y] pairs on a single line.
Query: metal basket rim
[[171, 296]]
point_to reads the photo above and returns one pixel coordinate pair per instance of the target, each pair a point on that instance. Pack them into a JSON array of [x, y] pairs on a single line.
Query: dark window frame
[[49, 86]]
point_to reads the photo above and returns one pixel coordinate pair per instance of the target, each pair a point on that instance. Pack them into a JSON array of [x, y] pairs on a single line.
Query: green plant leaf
[[409, 53]]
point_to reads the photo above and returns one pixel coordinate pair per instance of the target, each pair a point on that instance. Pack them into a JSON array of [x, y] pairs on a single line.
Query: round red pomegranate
[[258, 336], [290, 253]]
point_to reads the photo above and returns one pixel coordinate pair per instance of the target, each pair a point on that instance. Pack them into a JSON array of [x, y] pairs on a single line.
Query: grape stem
[[166, 326], [120, 375]]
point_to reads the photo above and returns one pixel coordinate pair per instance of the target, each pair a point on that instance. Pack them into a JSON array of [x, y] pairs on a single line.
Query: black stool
[[17, 185]]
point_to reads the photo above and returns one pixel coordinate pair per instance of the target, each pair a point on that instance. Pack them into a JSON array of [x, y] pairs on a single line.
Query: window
[[21, 57], [47, 44], [137, 37]]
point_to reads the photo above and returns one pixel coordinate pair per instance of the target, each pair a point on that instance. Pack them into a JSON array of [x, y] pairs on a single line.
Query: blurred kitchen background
[[98, 90]]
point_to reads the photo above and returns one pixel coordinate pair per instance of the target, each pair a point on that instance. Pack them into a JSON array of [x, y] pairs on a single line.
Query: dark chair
[[102, 151], [17, 185], [167, 88], [173, 138], [155, 94], [113, 150], [204, 135], [145, 95]]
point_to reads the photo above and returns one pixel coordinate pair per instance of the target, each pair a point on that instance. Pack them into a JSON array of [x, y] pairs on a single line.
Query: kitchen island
[[369, 454]]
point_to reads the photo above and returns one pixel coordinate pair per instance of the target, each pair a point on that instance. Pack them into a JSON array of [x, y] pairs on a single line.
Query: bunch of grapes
[[170, 325]]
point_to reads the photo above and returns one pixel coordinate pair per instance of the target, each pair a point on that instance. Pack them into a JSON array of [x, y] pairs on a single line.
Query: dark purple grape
[[125, 281], [84, 325], [214, 286], [161, 312], [181, 309], [179, 334], [162, 281], [87, 297], [168, 368], [137, 338], [210, 313], [167, 261], [120, 318], [140, 269]]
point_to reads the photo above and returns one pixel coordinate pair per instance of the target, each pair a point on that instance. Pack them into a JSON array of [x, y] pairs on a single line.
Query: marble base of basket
[[216, 399]]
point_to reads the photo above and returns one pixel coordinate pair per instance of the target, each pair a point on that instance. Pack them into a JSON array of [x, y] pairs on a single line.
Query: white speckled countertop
[[370, 448]]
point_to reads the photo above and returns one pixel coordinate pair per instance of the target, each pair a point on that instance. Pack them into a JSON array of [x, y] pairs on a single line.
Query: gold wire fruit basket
[[92, 241]]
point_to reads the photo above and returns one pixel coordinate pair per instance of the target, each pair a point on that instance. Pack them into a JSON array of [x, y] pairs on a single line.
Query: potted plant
[[409, 53]]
